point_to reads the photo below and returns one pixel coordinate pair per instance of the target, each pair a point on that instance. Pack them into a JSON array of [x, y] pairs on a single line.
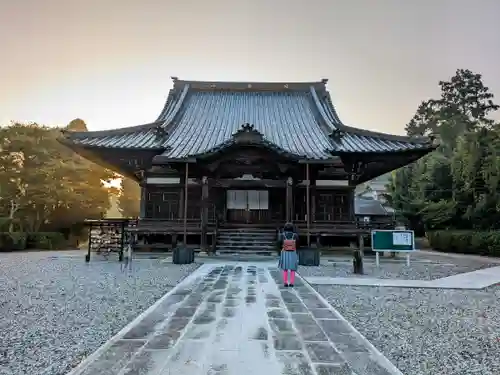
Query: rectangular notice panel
[[393, 240]]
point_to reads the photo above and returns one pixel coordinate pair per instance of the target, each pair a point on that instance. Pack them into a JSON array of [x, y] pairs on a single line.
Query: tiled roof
[[369, 207], [296, 118]]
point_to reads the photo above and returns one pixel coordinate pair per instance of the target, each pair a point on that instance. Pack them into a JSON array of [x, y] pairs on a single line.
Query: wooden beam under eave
[[119, 160]]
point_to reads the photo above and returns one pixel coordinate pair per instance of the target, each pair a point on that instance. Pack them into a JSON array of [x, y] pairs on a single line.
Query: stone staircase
[[246, 241]]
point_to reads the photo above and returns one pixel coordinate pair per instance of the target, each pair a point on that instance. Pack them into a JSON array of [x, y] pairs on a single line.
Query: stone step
[[246, 230], [246, 252], [246, 235], [265, 234], [246, 241], [246, 245], [246, 248]]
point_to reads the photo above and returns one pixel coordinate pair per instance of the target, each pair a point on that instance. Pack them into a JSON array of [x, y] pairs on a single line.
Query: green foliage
[[39, 241], [466, 242], [12, 241], [456, 186], [46, 241], [44, 186], [129, 200]]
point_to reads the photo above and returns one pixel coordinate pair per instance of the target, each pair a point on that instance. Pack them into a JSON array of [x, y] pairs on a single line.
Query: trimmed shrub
[[12, 241], [465, 242], [46, 241]]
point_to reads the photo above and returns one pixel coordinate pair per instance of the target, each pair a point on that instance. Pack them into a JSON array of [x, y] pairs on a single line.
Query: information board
[[393, 240], [397, 240]]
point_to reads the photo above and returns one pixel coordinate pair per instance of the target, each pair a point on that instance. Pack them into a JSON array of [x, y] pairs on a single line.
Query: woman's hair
[[288, 227]]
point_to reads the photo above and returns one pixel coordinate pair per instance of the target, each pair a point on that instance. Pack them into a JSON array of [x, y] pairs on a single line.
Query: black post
[[357, 261], [87, 257]]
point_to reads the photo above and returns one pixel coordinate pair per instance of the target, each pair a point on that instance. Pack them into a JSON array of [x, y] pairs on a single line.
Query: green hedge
[[39, 241], [466, 242]]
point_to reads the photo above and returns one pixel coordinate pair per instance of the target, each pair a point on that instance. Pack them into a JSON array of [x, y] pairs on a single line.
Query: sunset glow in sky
[[109, 62]]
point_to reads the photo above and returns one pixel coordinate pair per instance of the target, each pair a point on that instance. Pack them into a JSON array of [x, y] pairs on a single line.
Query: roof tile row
[[299, 122]]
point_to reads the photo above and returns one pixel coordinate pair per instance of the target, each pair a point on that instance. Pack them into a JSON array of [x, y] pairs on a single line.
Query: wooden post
[[358, 256], [144, 196], [289, 199], [204, 212], [308, 207], [87, 257], [186, 180]]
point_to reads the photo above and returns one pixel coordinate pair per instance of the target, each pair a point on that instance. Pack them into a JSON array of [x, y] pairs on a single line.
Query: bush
[[46, 241], [12, 241], [40, 241], [465, 242]]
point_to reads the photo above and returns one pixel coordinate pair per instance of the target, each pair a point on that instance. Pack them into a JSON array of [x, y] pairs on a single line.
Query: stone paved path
[[238, 319]]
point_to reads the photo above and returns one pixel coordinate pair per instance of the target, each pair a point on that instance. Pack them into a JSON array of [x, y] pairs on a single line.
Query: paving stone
[[274, 303], [281, 325], [324, 314], [164, 340], [277, 314], [294, 363], [327, 369], [232, 302], [250, 299], [323, 352], [229, 312], [261, 334], [363, 364], [239, 322], [147, 362], [176, 324], [114, 358], [303, 319], [188, 358], [287, 342], [185, 312], [311, 332], [197, 332], [297, 308], [146, 327]]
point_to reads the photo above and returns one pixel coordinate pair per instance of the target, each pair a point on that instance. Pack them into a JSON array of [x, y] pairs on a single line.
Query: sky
[[109, 62]]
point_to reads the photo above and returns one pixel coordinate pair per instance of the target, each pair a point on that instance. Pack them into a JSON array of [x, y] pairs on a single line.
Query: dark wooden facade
[[233, 154]]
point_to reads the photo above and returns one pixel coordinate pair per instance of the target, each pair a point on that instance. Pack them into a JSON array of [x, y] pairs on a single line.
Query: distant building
[[374, 189]]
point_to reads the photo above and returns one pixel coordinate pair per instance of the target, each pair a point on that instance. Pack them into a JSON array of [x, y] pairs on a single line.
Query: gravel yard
[[423, 331], [56, 309], [422, 267]]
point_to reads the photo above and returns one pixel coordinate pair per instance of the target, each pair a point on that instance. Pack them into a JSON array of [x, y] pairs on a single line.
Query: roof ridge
[[250, 85], [110, 132]]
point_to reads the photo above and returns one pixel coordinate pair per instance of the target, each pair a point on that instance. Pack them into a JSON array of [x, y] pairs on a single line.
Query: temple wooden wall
[[327, 204]]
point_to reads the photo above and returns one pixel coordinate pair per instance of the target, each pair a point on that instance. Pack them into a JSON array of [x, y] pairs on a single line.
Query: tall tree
[[44, 184], [456, 185], [129, 198]]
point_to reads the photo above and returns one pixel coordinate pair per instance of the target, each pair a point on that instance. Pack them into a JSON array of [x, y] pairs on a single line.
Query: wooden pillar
[[186, 180], [289, 200], [308, 206], [144, 197], [204, 212], [352, 214]]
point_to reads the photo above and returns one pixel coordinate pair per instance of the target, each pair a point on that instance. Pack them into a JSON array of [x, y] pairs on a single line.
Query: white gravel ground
[[424, 331], [422, 267], [55, 309]]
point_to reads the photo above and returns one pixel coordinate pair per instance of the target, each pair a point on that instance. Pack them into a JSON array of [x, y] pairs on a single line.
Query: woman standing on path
[[288, 258]]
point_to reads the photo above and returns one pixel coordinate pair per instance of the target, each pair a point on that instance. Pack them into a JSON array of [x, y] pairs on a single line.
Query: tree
[[77, 125], [129, 198], [455, 186], [44, 185]]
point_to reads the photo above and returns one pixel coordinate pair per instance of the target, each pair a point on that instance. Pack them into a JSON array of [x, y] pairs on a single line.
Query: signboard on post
[[396, 241]]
